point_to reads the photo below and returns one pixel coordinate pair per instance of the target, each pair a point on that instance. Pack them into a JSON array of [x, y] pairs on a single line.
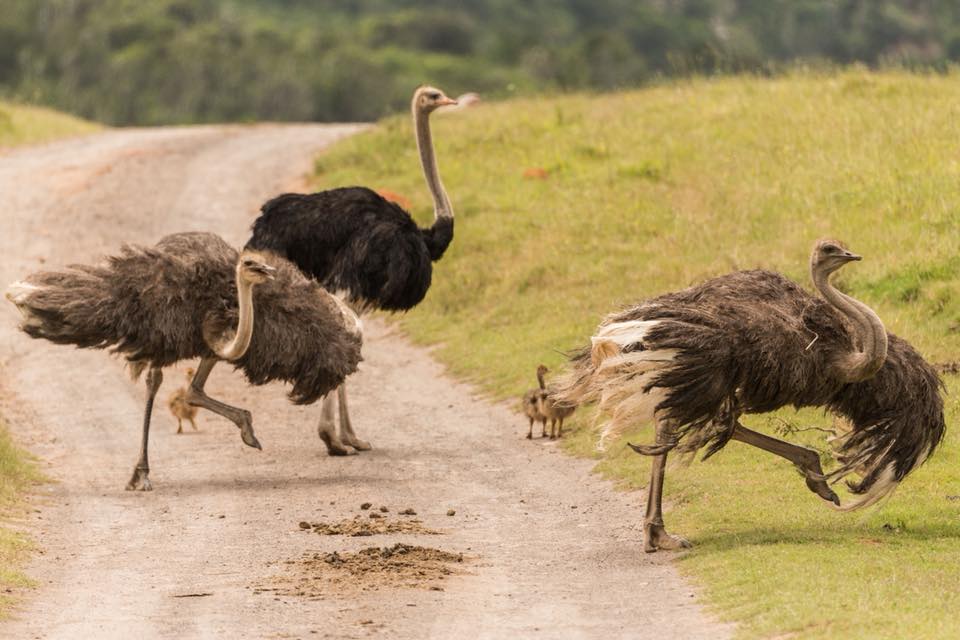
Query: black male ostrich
[[193, 295], [363, 247], [693, 361]]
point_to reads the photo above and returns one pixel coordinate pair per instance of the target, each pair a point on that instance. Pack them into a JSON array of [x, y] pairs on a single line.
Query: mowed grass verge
[[17, 473], [655, 190], [20, 124]]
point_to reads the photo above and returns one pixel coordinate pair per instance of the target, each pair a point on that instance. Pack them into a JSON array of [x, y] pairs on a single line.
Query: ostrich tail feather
[[617, 373], [71, 306]]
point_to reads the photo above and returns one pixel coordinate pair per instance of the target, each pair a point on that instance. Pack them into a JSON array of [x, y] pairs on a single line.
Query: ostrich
[[362, 246], [192, 295], [692, 362], [532, 405], [552, 408], [180, 407]]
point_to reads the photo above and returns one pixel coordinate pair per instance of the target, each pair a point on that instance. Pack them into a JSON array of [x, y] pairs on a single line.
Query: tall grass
[[654, 190]]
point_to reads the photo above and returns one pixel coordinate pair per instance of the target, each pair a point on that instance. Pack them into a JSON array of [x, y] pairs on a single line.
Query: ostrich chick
[[552, 408], [532, 404], [180, 407]]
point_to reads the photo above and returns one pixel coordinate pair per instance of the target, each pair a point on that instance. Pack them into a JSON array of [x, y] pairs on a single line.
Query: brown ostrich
[[180, 407], [192, 296], [531, 404], [694, 361]]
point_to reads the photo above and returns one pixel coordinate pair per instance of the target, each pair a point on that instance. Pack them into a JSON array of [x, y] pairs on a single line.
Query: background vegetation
[[179, 61], [654, 190]]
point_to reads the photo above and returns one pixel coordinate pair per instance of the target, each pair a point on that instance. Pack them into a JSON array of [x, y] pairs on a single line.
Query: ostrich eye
[[434, 96], [831, 248]]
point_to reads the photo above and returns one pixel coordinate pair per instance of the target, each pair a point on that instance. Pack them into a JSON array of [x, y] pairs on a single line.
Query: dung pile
[[371, 569]]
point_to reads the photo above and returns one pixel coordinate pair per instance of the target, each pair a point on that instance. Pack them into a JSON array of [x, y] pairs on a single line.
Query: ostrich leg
[[346, 428], [806, 459], [655, 536], [197, 398], [141, 472], [328, 431]]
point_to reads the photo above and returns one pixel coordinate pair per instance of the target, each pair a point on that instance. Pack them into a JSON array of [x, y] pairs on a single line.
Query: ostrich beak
[[265, 270], [852, 256], [445, 101]]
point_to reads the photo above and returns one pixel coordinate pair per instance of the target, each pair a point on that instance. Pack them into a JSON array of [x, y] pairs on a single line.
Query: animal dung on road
[[371, 569], [368, 527]]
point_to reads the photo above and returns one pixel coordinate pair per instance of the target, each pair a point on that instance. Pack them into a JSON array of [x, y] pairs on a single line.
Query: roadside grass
[[654, 190], [20, 124], [17, 473]]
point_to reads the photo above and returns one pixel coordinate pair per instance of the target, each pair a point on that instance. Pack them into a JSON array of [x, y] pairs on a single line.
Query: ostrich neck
[[858, 365], [441, 204], [540, 380], [241, 338]]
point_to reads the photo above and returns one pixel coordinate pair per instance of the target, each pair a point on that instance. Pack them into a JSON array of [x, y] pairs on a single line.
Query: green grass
[[654, 190], [21, 124], [17, 473]]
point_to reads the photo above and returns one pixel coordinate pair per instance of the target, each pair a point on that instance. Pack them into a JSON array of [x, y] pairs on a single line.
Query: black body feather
[[353, 240]]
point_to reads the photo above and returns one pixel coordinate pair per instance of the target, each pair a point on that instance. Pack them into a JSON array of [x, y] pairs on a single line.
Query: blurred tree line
[[165, 61]]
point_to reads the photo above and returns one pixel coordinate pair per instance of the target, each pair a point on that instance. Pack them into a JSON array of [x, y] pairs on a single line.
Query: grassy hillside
[[655, 190], [17, 472], [27, 125]]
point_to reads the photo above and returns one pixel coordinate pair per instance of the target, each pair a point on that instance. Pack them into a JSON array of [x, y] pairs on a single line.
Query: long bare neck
[[441, 203], [872, 336], [540, 379], [241, 338]]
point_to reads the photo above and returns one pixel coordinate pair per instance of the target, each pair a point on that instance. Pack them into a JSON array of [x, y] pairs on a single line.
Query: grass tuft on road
[[17, 473], [20, 124], [654, 190]]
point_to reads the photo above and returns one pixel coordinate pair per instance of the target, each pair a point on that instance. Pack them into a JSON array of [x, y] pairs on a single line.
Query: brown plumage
[[531, 405], [694, 361], [180, 407], [194, 296], [552, 408]]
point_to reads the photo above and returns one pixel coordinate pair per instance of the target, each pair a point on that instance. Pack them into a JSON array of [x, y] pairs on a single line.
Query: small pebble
[[366, 505], [408, 512], [451, 512], [375, 515], [304, 525], [384, 509]]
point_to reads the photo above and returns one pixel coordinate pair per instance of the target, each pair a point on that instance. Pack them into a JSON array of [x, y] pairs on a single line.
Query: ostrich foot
[[529, 436], [652, 449], [140, 480], [820, 487], [813, 473], [655, 538], [358, 444], [334, 446]]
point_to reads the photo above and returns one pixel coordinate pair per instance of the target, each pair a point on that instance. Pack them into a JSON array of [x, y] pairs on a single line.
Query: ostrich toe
[[334, 446], [656, 538], [140, 481]]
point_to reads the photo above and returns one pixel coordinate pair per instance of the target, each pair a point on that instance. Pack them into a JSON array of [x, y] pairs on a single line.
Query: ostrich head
[[254, 270], [830, 255], [428, 99], [542, 369]]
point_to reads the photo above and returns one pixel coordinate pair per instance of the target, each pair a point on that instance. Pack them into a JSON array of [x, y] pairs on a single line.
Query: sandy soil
[[549, 550]]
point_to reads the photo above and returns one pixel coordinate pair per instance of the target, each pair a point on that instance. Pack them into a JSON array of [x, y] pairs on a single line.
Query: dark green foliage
[[134, 62]]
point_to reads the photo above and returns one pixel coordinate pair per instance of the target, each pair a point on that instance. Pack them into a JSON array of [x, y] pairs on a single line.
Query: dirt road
[[217, 550]]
